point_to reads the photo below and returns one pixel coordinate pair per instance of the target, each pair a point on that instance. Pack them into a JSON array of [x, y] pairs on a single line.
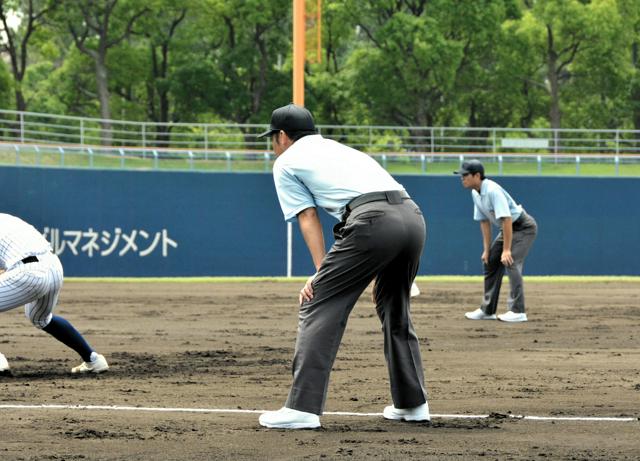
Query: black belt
[[30, 259], [519, 223], [391, 196]]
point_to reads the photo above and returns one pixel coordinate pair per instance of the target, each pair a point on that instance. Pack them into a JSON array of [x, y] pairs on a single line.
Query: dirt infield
[[229, 346]]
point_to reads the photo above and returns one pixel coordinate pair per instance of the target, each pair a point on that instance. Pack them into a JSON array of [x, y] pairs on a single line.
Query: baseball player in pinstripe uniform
[[32, 278], [380, 237]]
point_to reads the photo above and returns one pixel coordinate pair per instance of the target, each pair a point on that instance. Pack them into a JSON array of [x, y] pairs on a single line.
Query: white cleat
[[416, 414], [288, 418], [415, 291], [513, 317], [4, 365], [97, 365], [478, 314]]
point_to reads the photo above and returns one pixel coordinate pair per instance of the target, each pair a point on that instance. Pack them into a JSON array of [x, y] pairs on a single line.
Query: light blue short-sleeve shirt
[[494, 203], [319, 172]]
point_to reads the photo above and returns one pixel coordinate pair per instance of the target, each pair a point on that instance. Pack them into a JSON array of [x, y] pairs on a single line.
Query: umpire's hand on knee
[[306, 294], [506, 258]]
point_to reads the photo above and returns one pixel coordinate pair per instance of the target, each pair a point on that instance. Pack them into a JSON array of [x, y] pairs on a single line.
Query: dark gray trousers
[[525, 230], [378, 240]]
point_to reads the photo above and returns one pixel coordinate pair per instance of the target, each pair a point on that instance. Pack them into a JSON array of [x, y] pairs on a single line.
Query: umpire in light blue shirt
[[492, 205], [380, 236]]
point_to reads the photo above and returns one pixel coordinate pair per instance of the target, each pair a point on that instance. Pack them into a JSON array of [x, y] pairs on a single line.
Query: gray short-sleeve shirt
[[320, 172], [494, 203]]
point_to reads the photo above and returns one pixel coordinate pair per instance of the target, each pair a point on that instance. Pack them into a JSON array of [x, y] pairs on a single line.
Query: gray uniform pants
[[378, 240], [525, 230]]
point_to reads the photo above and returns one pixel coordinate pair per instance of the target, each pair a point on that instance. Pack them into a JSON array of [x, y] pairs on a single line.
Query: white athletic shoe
[[415, 291], [97, 365], [478, 314], [288, 418], [4, 364], [419, 413], [510, 316]]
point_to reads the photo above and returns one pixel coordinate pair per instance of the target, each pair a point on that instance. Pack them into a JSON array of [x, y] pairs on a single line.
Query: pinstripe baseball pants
[[35, 285]]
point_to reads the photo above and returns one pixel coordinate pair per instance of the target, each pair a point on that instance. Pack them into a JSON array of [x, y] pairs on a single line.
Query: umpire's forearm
[[507, 233], [485, 228], [311, 229]]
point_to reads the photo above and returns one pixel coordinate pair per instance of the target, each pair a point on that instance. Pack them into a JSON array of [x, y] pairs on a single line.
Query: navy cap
[[471, 167], [291, 119]]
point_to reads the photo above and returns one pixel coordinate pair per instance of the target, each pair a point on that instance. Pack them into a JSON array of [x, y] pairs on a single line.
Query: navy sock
[[64, 332]]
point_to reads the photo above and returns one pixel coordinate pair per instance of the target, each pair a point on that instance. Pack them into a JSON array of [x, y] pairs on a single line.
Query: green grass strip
[[420, 279]]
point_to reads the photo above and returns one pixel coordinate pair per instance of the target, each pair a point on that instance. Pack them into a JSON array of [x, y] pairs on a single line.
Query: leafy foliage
[[473, 63]]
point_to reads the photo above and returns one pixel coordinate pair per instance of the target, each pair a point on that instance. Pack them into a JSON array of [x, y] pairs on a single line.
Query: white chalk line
[[332, 413]]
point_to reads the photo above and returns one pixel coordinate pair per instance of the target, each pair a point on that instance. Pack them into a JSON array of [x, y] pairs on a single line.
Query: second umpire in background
[[380, 236], [493, 205]]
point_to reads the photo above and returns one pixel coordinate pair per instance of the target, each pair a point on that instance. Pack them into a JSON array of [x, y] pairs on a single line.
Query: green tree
[[559, 31], [630, 9], [96, 27], [326, 82], [5, 85], [595, 97], [236, 66], [29, 15], [160, 28]]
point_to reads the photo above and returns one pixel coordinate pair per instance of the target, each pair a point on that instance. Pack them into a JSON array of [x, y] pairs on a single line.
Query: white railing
[[262, 160], [29, 127]]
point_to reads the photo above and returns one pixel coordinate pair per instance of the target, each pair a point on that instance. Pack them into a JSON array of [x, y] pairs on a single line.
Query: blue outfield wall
[[149, 223]]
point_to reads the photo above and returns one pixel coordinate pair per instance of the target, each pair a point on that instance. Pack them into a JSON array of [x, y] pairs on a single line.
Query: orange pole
[[299, 27]]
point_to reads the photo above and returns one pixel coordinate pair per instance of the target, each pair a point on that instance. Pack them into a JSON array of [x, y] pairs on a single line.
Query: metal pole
[[289, 249], [299, 21], [206, 142], [539, 165], [22, 127], [433, 140]]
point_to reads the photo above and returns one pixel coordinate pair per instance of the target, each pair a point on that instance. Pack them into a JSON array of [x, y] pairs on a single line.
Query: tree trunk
[[635, 96], [554, 90], [103, 96], [21, 104], [163, 138]]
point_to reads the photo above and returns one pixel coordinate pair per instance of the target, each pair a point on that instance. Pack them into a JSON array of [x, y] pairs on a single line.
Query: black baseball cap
[[290, 118], [471, 167]]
